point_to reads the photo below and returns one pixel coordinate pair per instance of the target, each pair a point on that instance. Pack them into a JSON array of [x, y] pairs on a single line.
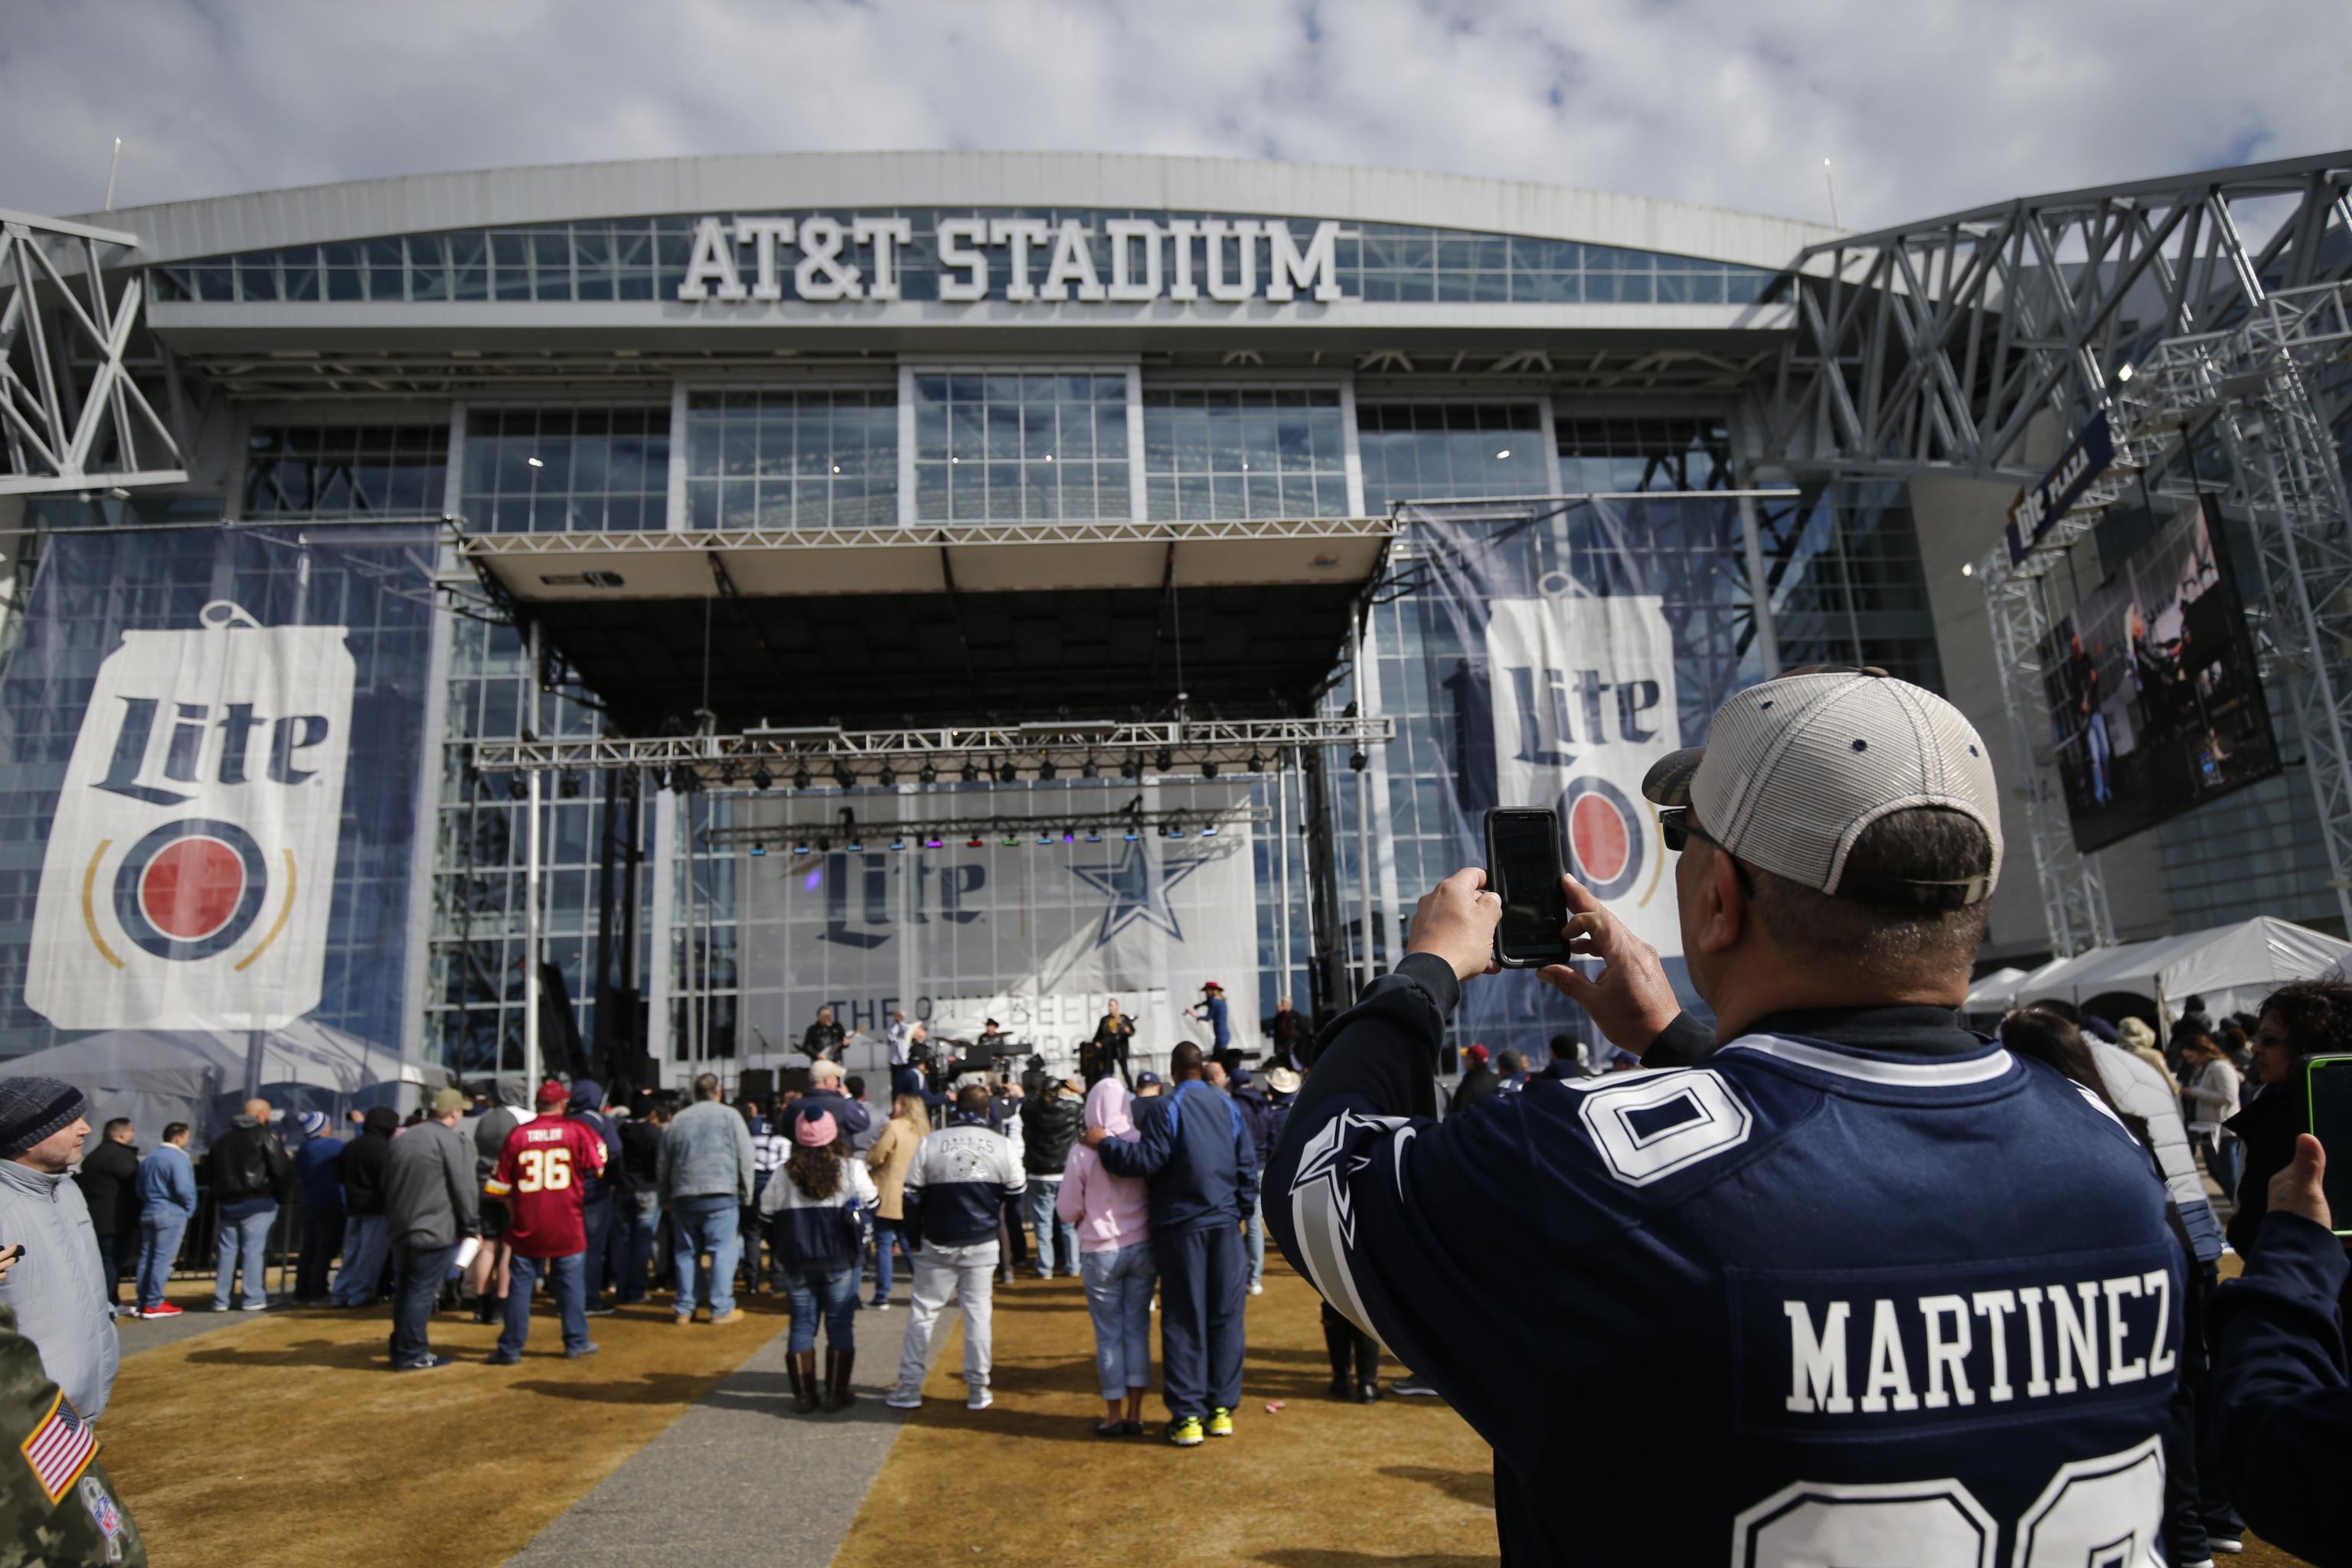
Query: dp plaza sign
[[825, 259]]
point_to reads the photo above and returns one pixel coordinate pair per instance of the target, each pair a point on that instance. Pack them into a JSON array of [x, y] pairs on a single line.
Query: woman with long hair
[[815, 1210], [890, 1158], [1115, 1261]]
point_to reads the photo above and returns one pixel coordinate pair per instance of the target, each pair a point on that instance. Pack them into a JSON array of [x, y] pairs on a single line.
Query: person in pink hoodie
[[1116, 1262]]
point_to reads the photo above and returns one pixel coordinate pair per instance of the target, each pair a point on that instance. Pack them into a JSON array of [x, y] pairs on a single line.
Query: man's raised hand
[[1631, 999], [1455, 921]]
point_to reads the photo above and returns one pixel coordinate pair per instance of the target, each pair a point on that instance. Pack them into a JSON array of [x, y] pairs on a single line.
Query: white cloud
[[1923, 107]]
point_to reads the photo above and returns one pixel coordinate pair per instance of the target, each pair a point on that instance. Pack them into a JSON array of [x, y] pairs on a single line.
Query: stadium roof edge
[[413, 204]]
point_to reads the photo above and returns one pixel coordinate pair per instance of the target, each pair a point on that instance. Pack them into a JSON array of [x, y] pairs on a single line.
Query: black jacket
[[360, 1167], [641, 1146], [822, 1039], [1049, 1125], [1476, 1085], [1257, 1115], [2267, 1126], [110, 1187], [250, 1162]]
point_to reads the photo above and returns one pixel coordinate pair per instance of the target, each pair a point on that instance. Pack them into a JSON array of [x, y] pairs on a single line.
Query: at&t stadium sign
[[818, 258]]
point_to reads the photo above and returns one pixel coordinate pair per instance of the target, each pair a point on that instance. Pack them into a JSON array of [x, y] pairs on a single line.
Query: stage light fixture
[[1094, 837], [898, 843], [567, 787], [934, 844], [758, 850], [1046, 770], [515, 788], [1009, 773], [801, 850], [1209, 830], [1012, 841], [801, 776], [1044, 839], [763, 779], [843, 777], [1131, 836], [1256, 763], [1208, 768], [1357, 761], [1090, 770], [974, 843], [1131, 768], [928, 773], [1165, 760], [972, 772], [1175, 830], [887, 776]]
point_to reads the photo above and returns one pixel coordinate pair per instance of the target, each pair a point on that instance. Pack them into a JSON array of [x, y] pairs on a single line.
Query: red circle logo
[[192, 889], [1599, 835]]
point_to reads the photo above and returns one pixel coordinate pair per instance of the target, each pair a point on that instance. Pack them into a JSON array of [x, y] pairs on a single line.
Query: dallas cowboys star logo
[[1136, 892], [1328, 1159]]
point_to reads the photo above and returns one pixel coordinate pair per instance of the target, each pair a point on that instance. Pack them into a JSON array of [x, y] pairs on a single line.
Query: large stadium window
[[346, 471], [1020, 445], [1624, 455], [1226, 452], [818, 458], [565, 470], [1449, 451]]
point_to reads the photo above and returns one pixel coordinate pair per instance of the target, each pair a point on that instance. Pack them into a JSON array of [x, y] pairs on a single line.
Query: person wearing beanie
[[599, 1196], [815, 1212], [54, 1288], [366, 1238], [318, 1166], [251, 1174], [540, 1175]]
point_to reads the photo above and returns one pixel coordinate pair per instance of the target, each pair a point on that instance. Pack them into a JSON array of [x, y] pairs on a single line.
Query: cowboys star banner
[[1036, 929], [1565, 647], [239, 714]]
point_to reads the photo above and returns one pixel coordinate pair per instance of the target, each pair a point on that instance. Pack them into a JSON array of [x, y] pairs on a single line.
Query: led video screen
[[2155, 702]]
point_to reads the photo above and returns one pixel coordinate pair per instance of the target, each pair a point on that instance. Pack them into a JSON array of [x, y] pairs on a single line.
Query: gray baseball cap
[[1794, 769]]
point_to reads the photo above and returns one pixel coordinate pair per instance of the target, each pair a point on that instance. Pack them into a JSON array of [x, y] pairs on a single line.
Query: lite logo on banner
[[190, 864], [1583, 697]]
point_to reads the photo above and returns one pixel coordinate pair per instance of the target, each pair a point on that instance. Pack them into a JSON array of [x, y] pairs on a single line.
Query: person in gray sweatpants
[[956, 1188]]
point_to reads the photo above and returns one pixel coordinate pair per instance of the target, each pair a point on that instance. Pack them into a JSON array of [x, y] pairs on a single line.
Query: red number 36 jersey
[[538, 1174]]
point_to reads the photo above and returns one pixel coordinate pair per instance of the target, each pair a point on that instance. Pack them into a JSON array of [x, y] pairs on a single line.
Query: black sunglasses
[[1677, 829]]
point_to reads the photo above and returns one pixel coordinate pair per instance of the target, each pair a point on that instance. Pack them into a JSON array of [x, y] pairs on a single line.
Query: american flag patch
[[60, 1448]]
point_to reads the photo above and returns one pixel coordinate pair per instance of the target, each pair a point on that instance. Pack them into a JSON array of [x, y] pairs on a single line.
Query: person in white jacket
[[2211, 1093]]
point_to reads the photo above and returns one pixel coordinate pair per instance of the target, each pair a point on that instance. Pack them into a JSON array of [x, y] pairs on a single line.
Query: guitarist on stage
[[1106, 1052]]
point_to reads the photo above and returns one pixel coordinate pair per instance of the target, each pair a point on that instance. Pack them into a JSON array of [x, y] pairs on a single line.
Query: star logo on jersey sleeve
[[1329, 1161]]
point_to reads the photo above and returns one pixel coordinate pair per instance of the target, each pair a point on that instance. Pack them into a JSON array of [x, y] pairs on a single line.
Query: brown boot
[[805, 1387], [836, 1378]]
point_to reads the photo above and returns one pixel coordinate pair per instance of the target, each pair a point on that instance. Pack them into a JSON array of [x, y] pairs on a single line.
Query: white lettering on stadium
[[1044, 263], [2083, 1340]]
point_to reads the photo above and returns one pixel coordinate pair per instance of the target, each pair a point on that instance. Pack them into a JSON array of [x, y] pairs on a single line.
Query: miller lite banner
[[211, 742], [186, 877], [1568, 646]]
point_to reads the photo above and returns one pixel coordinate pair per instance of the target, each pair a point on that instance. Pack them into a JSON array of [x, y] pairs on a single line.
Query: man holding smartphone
[[1856, 1285]]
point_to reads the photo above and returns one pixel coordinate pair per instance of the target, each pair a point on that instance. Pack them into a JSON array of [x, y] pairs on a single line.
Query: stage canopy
[[942, 623]]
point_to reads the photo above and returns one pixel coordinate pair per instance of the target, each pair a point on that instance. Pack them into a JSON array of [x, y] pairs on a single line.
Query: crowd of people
[[1841, 1251]]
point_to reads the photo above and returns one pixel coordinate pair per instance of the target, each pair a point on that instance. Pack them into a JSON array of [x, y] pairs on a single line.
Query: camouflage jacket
[[58, 1507]]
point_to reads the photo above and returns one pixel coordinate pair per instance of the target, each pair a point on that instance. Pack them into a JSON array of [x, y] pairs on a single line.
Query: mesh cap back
[[1795, 769]]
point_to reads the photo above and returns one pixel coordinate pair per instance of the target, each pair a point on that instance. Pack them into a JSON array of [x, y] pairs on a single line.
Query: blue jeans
[[1037, 1201], [1118, 1299], [244, 1241], [832, 1292], [365, 1242], [887, 1235], [706, 1223], [160, 1231], [422, 1269], [566, 1280], [1254, 1230], [636, 1221], [597, 1217]]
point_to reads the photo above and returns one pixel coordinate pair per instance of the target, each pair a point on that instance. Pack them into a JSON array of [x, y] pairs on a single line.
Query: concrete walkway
[[743, 1476]]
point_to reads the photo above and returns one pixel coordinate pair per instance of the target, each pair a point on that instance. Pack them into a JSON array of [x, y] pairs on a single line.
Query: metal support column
[[531, 985]]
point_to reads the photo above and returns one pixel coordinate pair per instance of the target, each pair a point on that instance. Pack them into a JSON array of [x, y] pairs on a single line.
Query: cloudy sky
[[1923, 106]]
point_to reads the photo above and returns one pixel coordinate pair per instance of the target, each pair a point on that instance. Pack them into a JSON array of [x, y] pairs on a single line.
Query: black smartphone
[[2327, 1092], [1522, 869]]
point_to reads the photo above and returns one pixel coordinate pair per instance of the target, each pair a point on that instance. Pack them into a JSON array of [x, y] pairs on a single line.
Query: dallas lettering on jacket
[[957, 1186], [189, 872], [1876, 1308]]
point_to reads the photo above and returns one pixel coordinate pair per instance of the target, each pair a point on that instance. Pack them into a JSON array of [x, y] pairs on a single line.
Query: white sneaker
[[1257, 1289], [904, 1399], [981, 1400]]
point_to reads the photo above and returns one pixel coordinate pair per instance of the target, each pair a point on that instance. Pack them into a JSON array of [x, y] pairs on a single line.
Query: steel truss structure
[[760, 760], [1131, 821], [57, 432], [1977, 343], [921, 536]]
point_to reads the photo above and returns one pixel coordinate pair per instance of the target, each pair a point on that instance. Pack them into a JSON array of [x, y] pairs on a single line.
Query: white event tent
[[2231, 967]]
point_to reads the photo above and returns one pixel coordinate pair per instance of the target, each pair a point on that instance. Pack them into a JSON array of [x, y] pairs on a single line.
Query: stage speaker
[[757, 1083]]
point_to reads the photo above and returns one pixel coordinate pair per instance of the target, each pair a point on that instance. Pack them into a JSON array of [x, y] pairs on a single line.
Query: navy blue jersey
[[1804, 1304]]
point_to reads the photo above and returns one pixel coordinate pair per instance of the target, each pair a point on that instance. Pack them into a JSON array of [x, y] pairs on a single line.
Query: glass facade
[[1020, 445], [647, 257], [1450, 451], [565, 470], [813, 458], [1842, 563], [346, 471], [1229, 452]]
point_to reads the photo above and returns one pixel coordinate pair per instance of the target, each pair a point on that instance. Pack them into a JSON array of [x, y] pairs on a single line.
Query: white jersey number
[[2095, 1514]]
